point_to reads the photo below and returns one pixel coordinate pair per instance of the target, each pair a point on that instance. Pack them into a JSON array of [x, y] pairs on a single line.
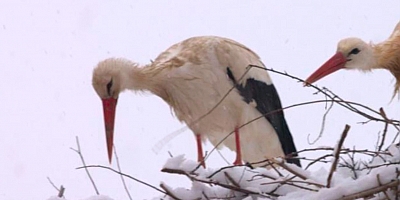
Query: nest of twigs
[[348, 178]]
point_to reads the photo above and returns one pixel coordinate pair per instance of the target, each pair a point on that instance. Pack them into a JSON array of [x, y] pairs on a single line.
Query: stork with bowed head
[[353, 53], [194, 77]]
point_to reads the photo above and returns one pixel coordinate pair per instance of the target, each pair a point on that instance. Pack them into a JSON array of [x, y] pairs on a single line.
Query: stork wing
[[268, 104]]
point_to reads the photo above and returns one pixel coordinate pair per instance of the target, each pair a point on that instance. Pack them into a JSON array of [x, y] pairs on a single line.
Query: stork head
[[351, 53], [107, 84]]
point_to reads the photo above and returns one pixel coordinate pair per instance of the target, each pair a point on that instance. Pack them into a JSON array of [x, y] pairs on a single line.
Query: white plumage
[[192, 77]]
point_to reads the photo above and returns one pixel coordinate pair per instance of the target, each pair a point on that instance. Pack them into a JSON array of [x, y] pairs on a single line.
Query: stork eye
[[354, 51], [109, 85]]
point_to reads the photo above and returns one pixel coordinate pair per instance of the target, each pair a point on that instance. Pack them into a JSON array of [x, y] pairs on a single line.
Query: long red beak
[[335, 63], [109, 106]]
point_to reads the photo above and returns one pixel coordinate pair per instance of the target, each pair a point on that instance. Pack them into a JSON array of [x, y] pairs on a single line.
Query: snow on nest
[[179, 162], [254, 181]]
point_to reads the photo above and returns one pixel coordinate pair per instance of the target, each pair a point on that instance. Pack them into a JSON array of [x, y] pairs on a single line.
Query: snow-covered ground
[[49, 48]]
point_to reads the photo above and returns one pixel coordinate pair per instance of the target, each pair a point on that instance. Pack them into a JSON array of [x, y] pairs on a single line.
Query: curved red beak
[[109, 106], [335, 63]]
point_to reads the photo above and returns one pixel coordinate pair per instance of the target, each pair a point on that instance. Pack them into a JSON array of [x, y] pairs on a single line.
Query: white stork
[[193, 76], [353, 53]]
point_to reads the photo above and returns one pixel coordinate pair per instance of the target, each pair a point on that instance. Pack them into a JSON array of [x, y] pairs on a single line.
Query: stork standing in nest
[[193, 77], [353, 53]]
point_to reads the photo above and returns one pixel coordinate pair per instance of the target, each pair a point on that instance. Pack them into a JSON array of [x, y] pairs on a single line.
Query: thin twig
[[177, 171], [79, 152], [226, 186], [333, 96], [371, 191], [222, 169], [379, 165], [344, 150], [291, 183], [122, 177], [231, 179], [289, 169], [61, 191], [271, 164], [204, 195], [168, 192], [380, 184], [353, 164], [123, 174], [337, 153], [322, 125], [317, 160], [222, 156], [396, 189], [383, 114], [395, 137], [54, 186]]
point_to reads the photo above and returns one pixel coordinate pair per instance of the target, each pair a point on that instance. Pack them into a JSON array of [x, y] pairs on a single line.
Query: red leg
[[200, 157], [238, 160]]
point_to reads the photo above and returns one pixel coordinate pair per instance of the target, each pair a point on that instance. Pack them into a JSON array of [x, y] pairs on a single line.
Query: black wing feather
[[268, 104]]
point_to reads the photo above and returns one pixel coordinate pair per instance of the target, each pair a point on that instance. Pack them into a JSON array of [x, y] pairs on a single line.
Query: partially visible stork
[[353, 53], [193, 76]]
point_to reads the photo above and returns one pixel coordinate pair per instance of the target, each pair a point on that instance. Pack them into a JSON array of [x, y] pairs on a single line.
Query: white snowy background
[[49, 48]]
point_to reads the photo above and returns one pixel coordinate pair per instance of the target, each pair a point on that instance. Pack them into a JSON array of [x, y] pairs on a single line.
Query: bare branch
[[318, 160], [79, 152], [396, 189], [177, 171], [333, 96], [379, 165], [380, 184], [168, 192], [123, 174], [227, 186], [383, 114], [271, 164], [371, 191], [231, 180], [221, 169], [322, 125], [289, 169], [61, 191], [292, 183], [122, 177], [337, 152], [51, 182]]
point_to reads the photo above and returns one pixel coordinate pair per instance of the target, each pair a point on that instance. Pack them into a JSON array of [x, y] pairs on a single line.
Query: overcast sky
[[49, 48]]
